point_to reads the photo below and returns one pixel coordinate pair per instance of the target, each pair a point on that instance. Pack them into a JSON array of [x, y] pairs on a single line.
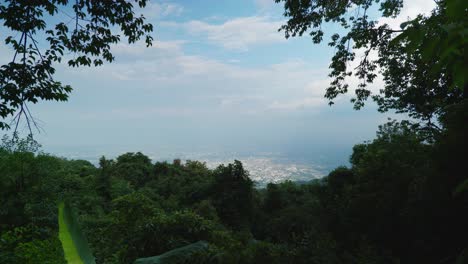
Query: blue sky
[[219, 76]]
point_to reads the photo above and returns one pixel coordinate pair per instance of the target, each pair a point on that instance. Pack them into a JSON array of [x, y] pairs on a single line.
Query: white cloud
[[139, 49], [308, 102], [411, 8], [317, 87], [155, 9], [172, 9], [217, 85], [238, 33], [135, 113]]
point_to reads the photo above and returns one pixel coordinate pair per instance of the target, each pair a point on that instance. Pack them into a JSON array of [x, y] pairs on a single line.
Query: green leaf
[[461, 188], [74, 243], [176, 256]]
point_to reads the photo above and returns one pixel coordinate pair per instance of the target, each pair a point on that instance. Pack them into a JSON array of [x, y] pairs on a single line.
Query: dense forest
[[403, 200]]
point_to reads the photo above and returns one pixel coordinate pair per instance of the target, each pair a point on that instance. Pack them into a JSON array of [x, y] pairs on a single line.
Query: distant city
[[264, 167]]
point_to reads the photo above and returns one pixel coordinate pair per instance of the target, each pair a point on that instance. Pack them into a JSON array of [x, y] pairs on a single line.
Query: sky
[[219, 77]]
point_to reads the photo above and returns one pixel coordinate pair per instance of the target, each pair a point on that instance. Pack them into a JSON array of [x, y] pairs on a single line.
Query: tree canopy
[[403, 199], [423, 63], [400, 201], [89, 30]]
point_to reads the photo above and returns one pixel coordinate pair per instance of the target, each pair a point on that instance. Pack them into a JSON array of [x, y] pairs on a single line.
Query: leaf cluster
[[91, 29]]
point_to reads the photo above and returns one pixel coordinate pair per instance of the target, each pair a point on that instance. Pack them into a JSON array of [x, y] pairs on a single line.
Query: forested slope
[[403, 200]]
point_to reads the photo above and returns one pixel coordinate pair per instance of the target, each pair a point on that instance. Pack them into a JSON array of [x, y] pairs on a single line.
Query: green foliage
[[273, 198], [422, 62], [30, 244], [103, 179], [339, 178], [40, 251], [131, 208], [394, 205], [446, 49], [263, 252], [74, 243], [402, 200], [160, 232], [233, 194], [29, 76], [134, 167], [180, 255], [206, 210], [462, 188], [463, 257]]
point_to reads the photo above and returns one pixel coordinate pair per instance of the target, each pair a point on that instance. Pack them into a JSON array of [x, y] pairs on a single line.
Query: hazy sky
[[219, 75]]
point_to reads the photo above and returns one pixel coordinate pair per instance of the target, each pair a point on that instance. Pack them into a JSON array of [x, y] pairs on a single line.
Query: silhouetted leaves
[[28, 78]]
